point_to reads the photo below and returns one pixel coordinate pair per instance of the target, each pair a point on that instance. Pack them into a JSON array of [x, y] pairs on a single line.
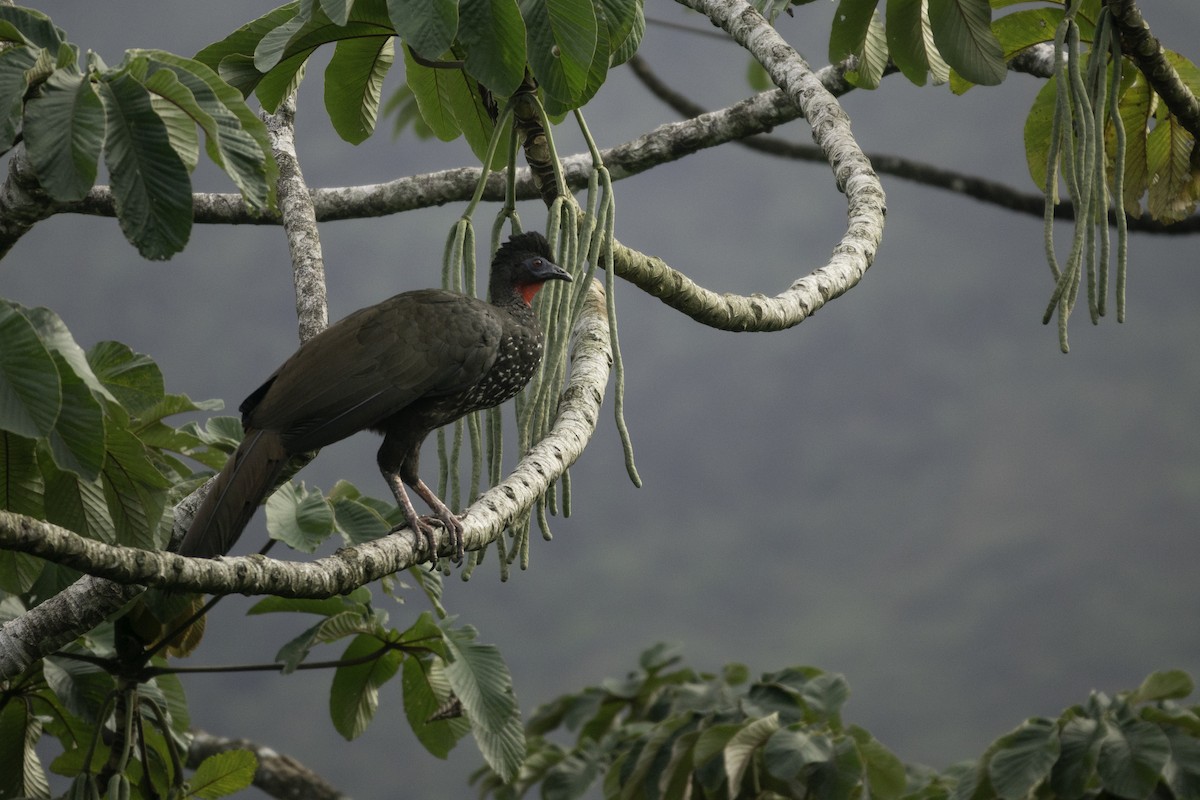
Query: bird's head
[[521, 265]]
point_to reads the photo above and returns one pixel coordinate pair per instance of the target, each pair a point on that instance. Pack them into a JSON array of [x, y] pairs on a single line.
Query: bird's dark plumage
[[404, 367]]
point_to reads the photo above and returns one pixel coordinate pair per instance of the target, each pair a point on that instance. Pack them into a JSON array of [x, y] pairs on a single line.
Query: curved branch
[[852, 171], [37, 633]]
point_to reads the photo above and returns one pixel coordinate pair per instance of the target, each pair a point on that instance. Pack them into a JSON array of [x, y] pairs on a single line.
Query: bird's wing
[[373, 364]]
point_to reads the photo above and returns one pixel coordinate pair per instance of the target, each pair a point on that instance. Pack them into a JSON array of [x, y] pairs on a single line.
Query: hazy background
[[914, 488]]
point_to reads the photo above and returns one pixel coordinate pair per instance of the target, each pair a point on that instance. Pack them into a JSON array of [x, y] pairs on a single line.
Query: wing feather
[[374, 363]]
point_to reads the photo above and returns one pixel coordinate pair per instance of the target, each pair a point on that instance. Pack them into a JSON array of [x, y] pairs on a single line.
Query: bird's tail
[[249, 476]]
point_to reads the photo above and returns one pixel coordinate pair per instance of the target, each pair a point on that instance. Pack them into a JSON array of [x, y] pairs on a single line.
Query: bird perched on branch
[[402, 368]]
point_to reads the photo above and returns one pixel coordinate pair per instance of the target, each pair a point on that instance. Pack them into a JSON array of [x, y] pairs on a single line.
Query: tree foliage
[[668, 731]]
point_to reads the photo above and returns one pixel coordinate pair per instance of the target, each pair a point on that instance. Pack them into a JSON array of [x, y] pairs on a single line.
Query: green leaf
[[235, 138], [281, 53], [233, 56], [359, 599], [626, 49], [15, 63], [181, 128], [450, 104], [295, 651], [82, 688], [561, 39], [1169, 145], [77, 505], [481, 681], [1038, 125], [354, 694], [1172, 684], [839, 778], [432, 88], [620, 18], [873, 58], [907, 31], [34, 26], [963, 32], [886, 776], [1182, 771], [1132, 756], [338, 11], [77, 441], [713, 741], [353, 84], [1022, 759], [64, 131], [1023, 29], [223, 774], [149, 181], [30, 387], [493, 35], [742, 747], [427, 26], [849, 29], [18, 571], [359, 522], [134, 490], [427, 691], [791, 749], [58, 339], [273, 47], [22, 488], [1076, 766], [132, 378], [299, 517]]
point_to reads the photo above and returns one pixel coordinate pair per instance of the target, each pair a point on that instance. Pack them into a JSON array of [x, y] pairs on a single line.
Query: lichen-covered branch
[[852, 172], [299, 224]]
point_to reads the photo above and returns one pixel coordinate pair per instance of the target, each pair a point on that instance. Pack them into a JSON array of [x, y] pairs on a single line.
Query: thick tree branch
[[278, 775], [23, 204], [1140, 45], [299, 224]]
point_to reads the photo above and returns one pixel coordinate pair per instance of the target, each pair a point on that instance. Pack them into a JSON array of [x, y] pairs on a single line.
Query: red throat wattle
[[528, 290]]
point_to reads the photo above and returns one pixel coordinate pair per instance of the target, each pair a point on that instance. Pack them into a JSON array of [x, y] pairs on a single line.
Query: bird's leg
[[447, 517], [420, 528]]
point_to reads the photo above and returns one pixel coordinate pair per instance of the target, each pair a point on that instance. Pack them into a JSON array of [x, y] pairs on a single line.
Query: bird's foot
[[422, 528], [452, 525]]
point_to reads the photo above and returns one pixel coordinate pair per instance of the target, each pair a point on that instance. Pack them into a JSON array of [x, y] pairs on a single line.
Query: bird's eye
[[537, 263]]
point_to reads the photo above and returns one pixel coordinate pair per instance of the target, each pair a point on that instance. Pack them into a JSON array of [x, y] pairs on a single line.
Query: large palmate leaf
[[235, 138], [481, 681], [149, 180], [963, 32], [427, 26], [562, 42], [493, 36], [354, 82], [64, 133]]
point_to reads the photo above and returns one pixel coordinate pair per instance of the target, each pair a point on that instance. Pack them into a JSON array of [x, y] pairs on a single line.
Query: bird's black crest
[[522, 245]]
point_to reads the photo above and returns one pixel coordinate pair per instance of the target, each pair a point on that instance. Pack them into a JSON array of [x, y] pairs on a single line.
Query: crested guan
[[402, 368]]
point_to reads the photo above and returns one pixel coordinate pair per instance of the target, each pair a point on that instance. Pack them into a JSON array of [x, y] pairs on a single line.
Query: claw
[[454, 527]]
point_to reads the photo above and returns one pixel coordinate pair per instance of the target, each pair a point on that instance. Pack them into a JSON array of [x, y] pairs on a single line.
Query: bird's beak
[[546, 270]]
